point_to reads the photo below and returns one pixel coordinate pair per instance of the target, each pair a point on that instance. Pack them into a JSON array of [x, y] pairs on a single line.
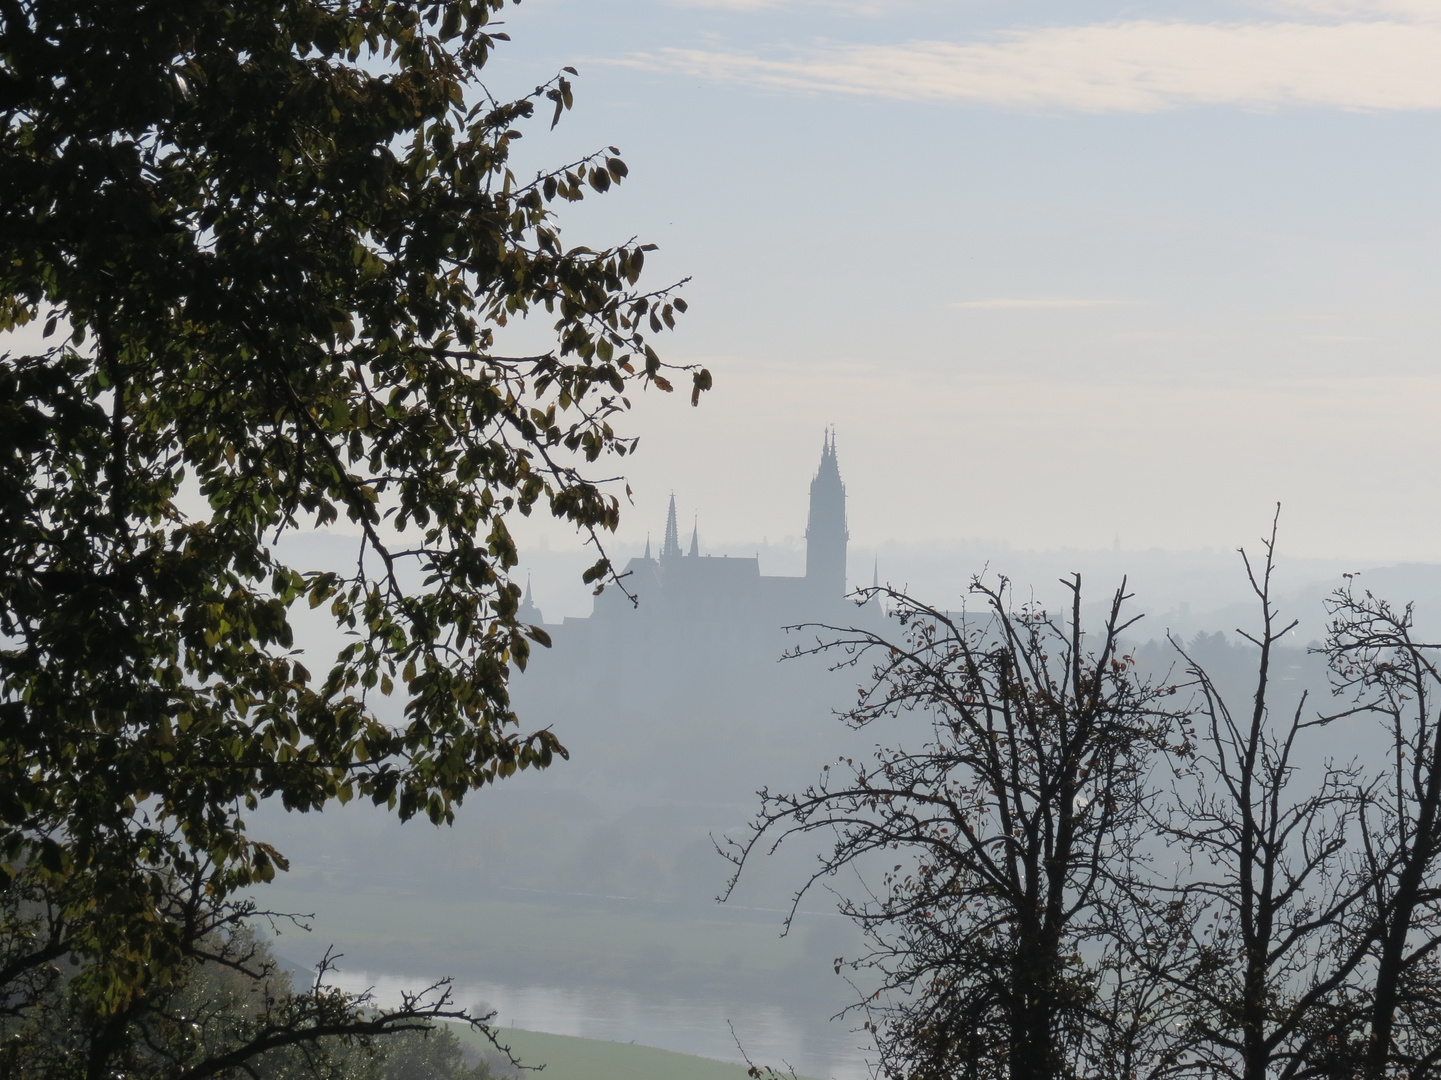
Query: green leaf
[[285, 242]]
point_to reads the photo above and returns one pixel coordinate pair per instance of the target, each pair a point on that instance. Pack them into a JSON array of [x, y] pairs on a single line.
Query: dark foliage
[[232, 1010], [272, 244]]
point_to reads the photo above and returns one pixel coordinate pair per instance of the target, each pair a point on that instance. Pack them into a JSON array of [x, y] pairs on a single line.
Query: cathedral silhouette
[[687, 587], [679, 695]]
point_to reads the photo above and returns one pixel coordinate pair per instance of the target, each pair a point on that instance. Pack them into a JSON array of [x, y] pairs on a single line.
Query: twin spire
[[829, 468]]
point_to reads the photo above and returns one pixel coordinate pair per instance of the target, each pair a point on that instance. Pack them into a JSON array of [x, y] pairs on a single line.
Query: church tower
[[670, 547], [826, 533]]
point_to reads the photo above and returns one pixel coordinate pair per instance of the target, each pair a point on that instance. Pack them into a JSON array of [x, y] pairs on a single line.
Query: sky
[[1062, 275], [1082, 276]]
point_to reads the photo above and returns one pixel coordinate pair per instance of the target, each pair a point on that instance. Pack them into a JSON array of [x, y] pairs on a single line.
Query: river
[[771, 1035]]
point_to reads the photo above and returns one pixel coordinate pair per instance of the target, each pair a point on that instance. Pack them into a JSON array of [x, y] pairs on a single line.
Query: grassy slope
[[569, 1058]]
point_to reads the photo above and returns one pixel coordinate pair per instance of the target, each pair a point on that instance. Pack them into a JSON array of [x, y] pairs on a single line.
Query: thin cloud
[[727, 5], [1027, 303], [1138, 66], [849, 7], [1418, 10]]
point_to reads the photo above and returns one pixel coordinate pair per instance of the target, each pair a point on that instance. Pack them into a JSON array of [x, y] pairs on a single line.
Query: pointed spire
[[829, 466], [671, 547], [647, 546], [876, 574], [695, 538], [528, 612]]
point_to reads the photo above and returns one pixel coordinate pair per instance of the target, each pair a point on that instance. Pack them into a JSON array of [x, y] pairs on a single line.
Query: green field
[[569, 1058]]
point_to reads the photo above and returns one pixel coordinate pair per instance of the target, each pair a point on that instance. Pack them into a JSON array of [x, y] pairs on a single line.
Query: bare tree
[[1376, 656], [994, 845], [1266, 914], [1037, 904]]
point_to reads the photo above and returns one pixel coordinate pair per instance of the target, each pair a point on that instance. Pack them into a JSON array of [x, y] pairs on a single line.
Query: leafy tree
[[997, 842], [271, 244], [232, 1009], [430, 1055]]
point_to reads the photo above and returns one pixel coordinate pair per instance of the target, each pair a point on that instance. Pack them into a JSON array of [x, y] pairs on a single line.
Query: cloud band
[[1137, 66]]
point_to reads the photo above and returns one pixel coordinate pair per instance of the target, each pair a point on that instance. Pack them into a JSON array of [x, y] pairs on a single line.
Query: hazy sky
[[1057, 272]]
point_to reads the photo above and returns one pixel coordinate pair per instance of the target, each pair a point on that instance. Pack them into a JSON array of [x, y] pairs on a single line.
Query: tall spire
[[528, 612], [647, 545], [670, 548], [826, 533], [695, 538]]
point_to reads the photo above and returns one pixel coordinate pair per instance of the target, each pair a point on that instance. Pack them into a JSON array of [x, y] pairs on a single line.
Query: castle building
[[686, 586], [693, 663], [705, 618]]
